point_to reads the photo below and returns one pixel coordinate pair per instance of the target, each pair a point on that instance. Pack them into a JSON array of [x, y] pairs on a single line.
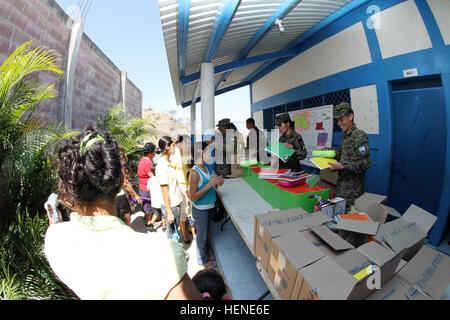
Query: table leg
[[264, 295], [227, 219]]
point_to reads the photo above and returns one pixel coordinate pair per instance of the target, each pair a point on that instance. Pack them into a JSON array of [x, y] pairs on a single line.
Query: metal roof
[[240, 37]]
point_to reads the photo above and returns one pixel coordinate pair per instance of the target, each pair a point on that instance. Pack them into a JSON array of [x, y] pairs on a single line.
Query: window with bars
[[333, 98]]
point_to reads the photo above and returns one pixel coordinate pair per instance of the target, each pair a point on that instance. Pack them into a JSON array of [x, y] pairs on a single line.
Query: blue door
[[419, 149]]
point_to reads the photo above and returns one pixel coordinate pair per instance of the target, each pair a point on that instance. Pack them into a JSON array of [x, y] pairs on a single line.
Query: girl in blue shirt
[[203, 196]]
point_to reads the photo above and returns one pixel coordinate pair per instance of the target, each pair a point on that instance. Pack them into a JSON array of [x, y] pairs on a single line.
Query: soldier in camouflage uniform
[[292, 140], [353, 156], [226, 145]]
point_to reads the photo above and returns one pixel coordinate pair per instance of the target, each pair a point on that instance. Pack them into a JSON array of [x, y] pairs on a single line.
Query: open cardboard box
[[277, 223], [425, 277], [317, 264], [409, 231], [375, 206], [331, 277]]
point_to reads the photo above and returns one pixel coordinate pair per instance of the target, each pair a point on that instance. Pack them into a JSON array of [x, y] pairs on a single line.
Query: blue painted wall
[[380, 72]]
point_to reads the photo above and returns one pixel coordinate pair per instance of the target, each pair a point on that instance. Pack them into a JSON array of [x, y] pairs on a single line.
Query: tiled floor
[[237, 263]]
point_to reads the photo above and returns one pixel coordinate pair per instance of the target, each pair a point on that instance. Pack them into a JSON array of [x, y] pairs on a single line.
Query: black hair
[[232, 126], [198, 147], [92, 176], [210, 281], [251, 120], [148, 148], [292, 123], [153, 168], [182, 138], [163, 143]]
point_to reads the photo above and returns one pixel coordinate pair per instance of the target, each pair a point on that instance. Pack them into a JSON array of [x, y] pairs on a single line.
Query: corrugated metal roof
[[250, 33]]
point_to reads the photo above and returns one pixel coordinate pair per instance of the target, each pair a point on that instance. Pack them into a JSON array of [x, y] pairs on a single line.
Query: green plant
[[129, 132], [27, 172], [25, 272]]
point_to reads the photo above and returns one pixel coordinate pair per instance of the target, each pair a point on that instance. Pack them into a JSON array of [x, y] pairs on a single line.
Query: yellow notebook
[[364, 272], [322, 163]]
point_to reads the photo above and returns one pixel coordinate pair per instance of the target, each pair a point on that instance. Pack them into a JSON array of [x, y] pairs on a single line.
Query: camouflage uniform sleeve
[[300, 148], [361, 161], [338, 153]]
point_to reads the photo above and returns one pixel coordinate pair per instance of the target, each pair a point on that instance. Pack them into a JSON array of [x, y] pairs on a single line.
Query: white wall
[[441, 12], [343, 51], [402, 30], [365, 107]]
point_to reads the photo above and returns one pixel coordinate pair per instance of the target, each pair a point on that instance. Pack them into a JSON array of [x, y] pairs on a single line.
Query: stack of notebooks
[[283, 175]]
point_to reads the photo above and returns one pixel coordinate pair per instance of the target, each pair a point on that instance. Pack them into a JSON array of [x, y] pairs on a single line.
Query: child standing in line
[[203, 197], [156, 196]]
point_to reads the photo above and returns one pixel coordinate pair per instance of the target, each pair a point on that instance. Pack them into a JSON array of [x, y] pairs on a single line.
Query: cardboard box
[[429, 271], [396, 289], [358, 226], [329, 176], [409, 231], [375, 206], [236, 171], [332, 277], [288, 254], [277, 223], [332, 207]]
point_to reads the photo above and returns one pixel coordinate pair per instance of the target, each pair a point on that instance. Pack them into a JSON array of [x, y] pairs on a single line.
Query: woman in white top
[[156, 196], [89, 252], [170, 190]]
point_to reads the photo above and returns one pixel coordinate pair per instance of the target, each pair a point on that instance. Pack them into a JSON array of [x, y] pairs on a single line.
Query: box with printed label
[[277, 223]]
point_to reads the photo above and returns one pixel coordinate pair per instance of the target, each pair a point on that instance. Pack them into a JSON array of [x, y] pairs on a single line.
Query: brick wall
[[97, 79]]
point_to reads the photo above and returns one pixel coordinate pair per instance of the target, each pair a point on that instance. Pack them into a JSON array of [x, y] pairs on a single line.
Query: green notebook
[[278, 149]]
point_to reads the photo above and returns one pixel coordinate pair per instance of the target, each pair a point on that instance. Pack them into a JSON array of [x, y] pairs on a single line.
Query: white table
[[242, 203]]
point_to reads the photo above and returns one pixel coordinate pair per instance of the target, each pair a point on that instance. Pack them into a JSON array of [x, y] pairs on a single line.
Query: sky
[[129, 32]]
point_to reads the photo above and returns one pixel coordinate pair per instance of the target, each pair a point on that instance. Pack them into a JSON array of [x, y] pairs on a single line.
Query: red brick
[[19, 38], [5, 10], [4, 49], [31, 14], [19, 20], [34, 32], [6, 30], [18, 4]]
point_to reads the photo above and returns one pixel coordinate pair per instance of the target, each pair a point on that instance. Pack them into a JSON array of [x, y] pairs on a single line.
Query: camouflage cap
[[224, 122], [342, 109], [282, 118]]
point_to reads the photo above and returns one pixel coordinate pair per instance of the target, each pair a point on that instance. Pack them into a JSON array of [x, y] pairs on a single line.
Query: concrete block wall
[[97, 81]]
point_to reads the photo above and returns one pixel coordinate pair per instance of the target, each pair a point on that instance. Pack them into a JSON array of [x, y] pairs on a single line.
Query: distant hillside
[[165, 125]]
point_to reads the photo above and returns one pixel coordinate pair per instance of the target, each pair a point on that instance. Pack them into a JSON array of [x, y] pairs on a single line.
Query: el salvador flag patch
[[362, 149]]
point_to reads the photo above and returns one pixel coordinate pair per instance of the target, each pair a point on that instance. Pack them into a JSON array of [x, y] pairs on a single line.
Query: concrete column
[[123, 90], [66, 90], [207, 94], [193, 119]]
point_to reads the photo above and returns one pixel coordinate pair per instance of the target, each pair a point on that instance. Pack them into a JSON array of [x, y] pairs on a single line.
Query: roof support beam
[[184, 8], [221, 22], [296, 44], [281, 12], [241, 63]]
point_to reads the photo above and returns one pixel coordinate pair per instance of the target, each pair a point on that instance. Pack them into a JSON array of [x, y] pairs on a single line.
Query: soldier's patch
[[362, 149]]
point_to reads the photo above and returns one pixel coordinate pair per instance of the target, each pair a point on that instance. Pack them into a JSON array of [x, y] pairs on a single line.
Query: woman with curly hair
[[89, 252]]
